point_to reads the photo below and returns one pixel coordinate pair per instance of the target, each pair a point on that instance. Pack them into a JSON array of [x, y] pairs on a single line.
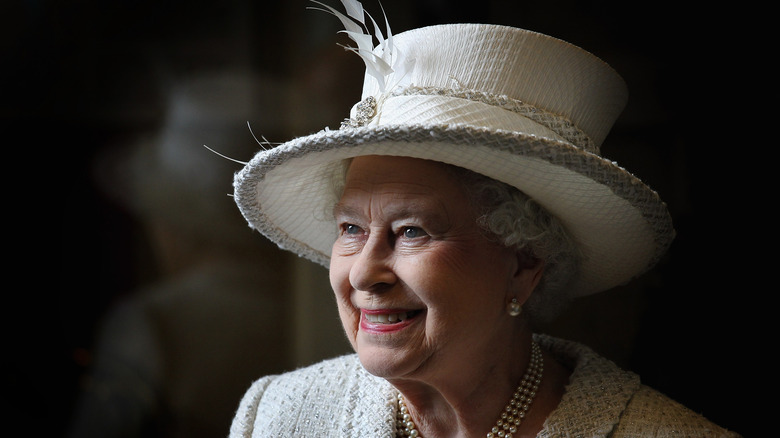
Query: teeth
[[387, 318]]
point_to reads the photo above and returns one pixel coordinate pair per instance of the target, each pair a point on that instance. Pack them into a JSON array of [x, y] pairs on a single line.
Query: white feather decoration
[[381, 61]]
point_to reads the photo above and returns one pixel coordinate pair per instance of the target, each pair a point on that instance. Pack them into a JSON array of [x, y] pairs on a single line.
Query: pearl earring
[[514, 307]]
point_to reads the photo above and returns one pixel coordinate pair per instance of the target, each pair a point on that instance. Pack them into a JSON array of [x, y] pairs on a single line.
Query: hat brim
[[620, 224]]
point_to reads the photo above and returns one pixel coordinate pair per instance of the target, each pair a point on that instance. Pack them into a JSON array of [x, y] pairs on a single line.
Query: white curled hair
[[512, 218]]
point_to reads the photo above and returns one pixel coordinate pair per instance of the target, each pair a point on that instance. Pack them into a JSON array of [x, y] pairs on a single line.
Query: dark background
[[83, 79]]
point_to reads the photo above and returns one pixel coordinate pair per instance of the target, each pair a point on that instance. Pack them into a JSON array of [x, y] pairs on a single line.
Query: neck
[[468, 399]]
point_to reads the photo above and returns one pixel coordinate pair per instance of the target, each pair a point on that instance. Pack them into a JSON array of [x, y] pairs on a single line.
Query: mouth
[[385, 321], [389, 318]]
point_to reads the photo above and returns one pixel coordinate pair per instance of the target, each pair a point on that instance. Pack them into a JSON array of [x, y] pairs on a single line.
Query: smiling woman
[[474, 203], [419, 251]]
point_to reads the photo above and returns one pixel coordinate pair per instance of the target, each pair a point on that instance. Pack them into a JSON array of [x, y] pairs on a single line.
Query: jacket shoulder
[[330, 397], [651, 413]]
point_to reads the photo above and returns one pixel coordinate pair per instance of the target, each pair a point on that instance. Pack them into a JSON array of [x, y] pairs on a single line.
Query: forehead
[[410, 182], [401, 170], [406, 173]]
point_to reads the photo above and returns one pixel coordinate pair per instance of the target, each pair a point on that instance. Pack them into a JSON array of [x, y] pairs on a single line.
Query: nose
[[372, 270]]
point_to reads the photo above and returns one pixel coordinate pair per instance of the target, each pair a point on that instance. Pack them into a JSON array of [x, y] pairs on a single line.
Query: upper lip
[[386, 310]]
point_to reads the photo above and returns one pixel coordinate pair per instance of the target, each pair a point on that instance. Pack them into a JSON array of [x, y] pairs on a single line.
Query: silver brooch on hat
[[364, 112]]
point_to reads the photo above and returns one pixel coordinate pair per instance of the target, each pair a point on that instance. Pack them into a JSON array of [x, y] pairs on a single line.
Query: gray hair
[[512, 218]]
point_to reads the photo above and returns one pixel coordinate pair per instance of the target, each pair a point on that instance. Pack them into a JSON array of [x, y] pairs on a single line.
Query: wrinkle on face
[[453, 273]]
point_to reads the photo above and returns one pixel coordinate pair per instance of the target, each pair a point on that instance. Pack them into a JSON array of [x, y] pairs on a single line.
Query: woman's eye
[[351, 229], [413, 232]]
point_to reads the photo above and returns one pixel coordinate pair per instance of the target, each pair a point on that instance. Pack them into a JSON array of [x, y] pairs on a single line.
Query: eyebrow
[[345, 210], [412, 209]]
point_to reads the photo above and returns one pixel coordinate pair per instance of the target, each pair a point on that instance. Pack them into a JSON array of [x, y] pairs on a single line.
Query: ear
[[528, 273]]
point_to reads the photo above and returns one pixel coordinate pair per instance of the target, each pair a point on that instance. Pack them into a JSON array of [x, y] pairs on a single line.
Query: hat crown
[[534, 68]]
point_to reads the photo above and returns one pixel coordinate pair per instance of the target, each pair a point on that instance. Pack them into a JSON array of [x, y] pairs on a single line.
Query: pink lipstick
[[386, 320]]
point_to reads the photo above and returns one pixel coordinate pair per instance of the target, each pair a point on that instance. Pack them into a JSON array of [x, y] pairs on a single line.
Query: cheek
[[338, 274], [339, 282], [459, 266], [350, 321], [470, 278]]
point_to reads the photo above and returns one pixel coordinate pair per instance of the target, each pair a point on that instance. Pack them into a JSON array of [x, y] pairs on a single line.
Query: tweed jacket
[[338, 398]]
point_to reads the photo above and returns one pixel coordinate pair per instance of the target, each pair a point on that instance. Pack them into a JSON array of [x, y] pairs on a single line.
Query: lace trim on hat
[[367, 108]]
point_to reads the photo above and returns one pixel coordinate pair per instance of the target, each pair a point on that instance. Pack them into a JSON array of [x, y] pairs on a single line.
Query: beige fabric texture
[[338, 398]]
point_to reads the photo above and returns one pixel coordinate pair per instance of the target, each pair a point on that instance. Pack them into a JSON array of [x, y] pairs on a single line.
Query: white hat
[[518, 106]]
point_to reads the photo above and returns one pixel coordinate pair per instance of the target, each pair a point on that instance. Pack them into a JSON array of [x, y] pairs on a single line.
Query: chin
[[386, 363]]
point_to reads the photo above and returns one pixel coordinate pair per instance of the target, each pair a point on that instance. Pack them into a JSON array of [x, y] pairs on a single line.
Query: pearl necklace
[[513, 413]]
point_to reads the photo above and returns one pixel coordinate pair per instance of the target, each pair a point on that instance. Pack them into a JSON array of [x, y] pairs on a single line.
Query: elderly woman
[[464, 200]]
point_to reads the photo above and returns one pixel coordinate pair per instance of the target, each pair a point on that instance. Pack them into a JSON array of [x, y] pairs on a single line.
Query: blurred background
[[143, 305]]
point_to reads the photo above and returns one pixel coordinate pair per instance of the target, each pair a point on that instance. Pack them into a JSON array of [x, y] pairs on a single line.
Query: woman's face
[[418, 285]]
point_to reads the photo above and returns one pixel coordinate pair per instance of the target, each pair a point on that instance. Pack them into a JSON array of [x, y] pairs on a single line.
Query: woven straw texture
[[602, 205]]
